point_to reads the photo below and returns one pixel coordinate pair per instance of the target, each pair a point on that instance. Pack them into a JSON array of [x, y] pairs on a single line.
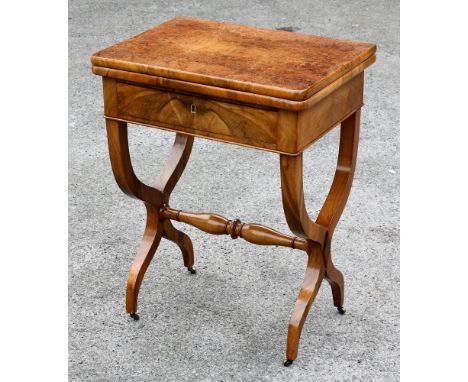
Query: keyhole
[[193, 108]]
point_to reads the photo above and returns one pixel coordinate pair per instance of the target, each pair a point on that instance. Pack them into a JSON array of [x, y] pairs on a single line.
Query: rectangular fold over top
[[264, 62]]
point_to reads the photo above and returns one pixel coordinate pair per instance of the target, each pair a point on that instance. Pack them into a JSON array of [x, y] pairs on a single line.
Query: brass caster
[[288, 362]]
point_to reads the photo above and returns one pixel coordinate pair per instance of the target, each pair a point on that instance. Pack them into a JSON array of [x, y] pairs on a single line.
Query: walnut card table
[[271, 90]]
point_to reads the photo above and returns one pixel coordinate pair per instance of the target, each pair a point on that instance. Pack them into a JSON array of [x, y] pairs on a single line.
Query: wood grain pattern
[[273, 130], [316, 121], [218, 119], [298, 130], [233, 96], [262, 61]]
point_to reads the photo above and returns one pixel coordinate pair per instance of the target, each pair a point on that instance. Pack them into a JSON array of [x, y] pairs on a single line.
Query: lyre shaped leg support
[[319, 233], [313, 237], [153, 197]]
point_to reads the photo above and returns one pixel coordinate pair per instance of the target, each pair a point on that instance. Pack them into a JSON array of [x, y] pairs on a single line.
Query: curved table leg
[[319, 233], [173, 169], [310, 286], [335, 279], [146, 251], [336, 201], [183, 242], [153, 197]]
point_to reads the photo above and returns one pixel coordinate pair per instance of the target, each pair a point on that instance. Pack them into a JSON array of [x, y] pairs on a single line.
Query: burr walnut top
[[274, 63]]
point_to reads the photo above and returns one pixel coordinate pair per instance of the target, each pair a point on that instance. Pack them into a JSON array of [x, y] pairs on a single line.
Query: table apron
[[276, 130]]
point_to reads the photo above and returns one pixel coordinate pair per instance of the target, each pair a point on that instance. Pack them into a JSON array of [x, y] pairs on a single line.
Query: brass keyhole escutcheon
[[193, 108]]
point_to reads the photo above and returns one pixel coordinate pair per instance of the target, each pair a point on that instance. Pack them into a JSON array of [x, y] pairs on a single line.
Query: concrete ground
[[229, 321]]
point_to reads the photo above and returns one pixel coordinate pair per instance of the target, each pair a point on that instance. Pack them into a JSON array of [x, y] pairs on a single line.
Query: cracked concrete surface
[[229, 321]]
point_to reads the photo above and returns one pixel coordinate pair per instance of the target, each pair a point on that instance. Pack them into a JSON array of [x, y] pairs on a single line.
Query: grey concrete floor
[[229, 322]]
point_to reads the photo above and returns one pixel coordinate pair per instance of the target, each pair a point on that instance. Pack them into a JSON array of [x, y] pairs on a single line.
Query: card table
[[267, 89]]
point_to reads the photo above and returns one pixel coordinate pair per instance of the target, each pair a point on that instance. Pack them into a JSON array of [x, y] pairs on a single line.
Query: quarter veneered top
[[275, 63]]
